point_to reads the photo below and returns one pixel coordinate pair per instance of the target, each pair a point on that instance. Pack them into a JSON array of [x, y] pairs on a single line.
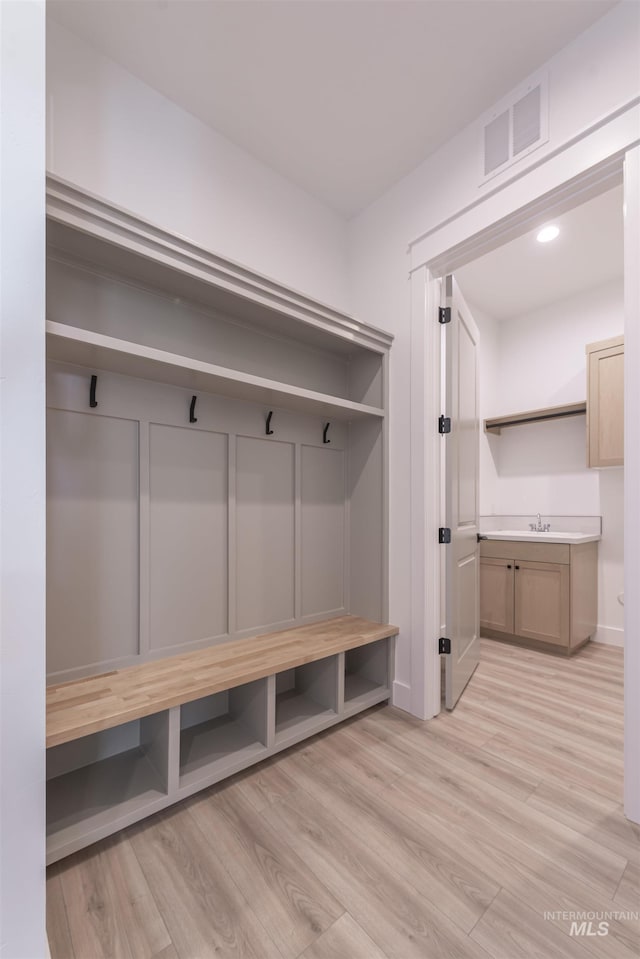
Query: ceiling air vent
[[515, 127]]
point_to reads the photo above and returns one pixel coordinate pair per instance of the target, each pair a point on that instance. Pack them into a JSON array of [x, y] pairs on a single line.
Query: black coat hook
[[92, 392], [324, 433], [192, 408], [268, 430]]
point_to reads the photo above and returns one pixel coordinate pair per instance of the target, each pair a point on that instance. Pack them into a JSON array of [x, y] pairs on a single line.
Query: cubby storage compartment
[[223, 733], [105, 781], [366, 676], [306, 699]]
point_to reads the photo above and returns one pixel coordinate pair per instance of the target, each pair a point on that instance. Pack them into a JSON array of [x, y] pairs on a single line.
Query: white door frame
[[604, 155]]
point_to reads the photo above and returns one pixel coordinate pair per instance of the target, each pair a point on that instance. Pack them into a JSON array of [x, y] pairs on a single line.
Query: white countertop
[[553, 536]]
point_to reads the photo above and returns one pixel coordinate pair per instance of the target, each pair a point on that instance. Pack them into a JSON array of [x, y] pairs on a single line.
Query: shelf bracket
[[268, 429], [324, 433], [92, 392], [192, 409]]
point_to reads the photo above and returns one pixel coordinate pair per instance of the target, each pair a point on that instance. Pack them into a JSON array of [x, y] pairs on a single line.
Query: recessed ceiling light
[[548, 233]]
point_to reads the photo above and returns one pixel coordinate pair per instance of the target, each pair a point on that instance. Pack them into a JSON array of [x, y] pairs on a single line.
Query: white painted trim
[[584, 164], [425, 496], [628, 111], [88, 214], [632, 485], [401, 696], [505, 207], [609, 636]]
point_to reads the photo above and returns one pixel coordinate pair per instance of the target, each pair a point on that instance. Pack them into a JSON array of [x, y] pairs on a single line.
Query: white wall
[[490, 400], [538, 360], [589, 79], [22, 586], [115, 136]]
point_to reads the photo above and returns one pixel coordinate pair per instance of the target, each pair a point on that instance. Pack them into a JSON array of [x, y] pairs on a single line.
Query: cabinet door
[[542, 602], [605, 405], [496, 594]]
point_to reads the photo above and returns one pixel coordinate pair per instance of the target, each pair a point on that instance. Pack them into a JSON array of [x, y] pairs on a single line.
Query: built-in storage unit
[[217, 462], [222, 733], [367, 676], [217, 447], [125, 744], [103, 781], [605, 402], [305, 696], [541, 592]]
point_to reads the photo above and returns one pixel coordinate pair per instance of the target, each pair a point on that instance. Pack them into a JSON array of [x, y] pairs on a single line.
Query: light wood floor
[[386, 838]]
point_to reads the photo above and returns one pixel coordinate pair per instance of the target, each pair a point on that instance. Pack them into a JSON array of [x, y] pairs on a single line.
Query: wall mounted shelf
[[95, 351], [498, 423]]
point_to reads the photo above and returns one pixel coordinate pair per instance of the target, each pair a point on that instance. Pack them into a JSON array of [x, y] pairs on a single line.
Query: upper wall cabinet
[[605, 403]]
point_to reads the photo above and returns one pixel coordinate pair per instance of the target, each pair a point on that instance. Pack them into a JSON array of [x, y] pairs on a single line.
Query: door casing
[[443, 250]]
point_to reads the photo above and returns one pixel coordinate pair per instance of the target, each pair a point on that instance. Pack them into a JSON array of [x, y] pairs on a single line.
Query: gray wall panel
[[264, 529], [92, 539], [323, 529], [367, 569], [187, 535]]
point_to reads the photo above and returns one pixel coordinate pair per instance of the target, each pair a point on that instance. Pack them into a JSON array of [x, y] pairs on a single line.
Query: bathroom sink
[[531, 536]]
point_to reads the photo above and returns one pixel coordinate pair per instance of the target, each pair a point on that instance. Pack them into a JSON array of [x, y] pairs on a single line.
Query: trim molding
[[609, 636], [401, 696], [86, 213], [524, 171]]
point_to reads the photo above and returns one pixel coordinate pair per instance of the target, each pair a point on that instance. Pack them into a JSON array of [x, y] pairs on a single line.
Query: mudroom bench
[[126, 744]]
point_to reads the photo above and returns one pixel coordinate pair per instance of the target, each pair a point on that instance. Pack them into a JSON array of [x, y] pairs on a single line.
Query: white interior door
[[462, 566]]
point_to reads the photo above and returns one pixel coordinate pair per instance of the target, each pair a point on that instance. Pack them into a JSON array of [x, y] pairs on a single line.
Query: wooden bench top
[[85, 706]]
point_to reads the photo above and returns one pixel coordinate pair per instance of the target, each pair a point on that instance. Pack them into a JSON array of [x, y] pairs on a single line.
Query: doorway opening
[[551, 570], [539, 307]]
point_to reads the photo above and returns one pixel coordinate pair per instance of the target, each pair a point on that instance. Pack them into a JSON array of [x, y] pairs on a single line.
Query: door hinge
[[444, 535], [444, 314], [444, 645], [444, 424]]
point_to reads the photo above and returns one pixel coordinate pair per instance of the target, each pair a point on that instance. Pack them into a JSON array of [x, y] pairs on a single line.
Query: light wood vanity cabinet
[[605, 402], [540, 592], [496, 594]]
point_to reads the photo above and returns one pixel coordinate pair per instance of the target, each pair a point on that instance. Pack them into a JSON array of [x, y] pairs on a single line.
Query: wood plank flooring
[[467, 837]]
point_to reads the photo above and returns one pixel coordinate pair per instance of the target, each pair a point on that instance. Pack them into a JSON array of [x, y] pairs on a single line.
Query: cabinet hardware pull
[[324, 433], [192, 409], [517, 567], [268, 430], [92, 392], [508, 565]]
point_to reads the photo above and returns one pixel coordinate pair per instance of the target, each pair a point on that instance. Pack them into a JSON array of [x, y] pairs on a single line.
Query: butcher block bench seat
[[125, 744]]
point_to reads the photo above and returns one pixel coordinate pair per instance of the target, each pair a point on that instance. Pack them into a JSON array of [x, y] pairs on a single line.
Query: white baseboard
[[401, 696], [609, 636]]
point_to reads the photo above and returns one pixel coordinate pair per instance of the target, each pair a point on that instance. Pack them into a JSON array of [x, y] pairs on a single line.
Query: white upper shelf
[[94, 231], [80, 347]]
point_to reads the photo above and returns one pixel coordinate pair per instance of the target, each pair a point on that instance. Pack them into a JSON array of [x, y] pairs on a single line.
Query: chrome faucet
[[539, 527]]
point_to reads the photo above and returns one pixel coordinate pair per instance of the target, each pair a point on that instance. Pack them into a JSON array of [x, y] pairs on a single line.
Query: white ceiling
[[524, 275], [342, 97]]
